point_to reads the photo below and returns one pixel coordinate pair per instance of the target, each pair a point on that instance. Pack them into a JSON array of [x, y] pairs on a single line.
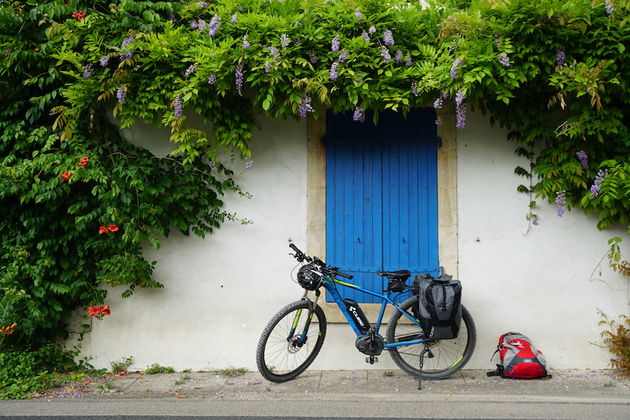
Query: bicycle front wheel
[[290, 341], [449, 356]]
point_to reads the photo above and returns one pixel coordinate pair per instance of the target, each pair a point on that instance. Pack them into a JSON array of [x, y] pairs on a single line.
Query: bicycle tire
[[277, 358], [449, 355]]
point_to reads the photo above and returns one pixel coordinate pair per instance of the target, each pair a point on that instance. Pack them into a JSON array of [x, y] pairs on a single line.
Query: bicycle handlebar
[[334, 271]]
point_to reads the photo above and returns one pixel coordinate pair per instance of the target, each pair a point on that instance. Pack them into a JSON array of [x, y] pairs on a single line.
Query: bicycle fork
[[301, 339]]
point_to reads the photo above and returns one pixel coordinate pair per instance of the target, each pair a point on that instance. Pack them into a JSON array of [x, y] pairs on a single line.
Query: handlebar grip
[[347, 276], [295, 248]]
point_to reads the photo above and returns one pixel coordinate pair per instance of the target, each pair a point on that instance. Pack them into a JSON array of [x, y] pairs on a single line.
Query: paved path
[[364, 393]]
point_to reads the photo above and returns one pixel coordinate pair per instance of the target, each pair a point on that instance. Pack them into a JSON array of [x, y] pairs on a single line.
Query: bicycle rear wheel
[[449, 355], [287, 347]]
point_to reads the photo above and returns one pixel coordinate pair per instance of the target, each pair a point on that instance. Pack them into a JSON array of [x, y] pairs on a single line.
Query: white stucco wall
[[221, 291]]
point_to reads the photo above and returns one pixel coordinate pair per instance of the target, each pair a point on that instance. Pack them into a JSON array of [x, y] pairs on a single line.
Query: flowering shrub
[[553, 72]]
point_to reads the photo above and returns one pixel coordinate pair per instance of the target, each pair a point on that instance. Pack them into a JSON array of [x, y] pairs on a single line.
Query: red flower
[[113, 228], [79, 15], [65, 176], [99, 311], [36, 49], [102, 230], [8, 330], [84, 161]]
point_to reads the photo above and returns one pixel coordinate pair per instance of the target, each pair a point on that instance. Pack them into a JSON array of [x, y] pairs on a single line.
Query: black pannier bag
[[439, 305]]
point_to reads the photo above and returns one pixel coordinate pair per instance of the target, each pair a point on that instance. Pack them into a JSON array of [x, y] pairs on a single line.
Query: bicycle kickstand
[[422, 353]]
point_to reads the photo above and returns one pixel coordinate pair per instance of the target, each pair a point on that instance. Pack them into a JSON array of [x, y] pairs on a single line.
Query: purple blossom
[[214, 25], [200, 25], [438, 121], [366, 36], [438, 103], [333, 71], [358, 15], [313, 59], [285, 40], [460, 109], [456, 64], [359, 114], [583, 157], [610, 7], [408, 62], [498, 41], [87, 71], [121, 92], [371, 29], [212, 164], [194, 25], [305, 106], [274, 52], [334, 44], [177, 107], [560, 56], [246, 43], [504, 59], [561, 200], [267, 66], [343, 56], [212, 79], [385, 54], [202, 4], [126, 42], [126, 56], [238, 76], [191, 69], [234, 18], [597, 184], [453, 47], [104, 61], [388, 38], [398, 56], [414, 89], [249, 164]]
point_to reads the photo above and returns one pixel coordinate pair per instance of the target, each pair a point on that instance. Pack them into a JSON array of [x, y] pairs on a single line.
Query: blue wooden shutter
[[381, 198]]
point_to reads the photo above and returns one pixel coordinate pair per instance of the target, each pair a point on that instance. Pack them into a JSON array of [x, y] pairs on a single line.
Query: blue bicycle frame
[[330, 285]]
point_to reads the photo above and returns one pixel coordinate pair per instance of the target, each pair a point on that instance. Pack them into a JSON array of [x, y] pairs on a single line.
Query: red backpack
[[519, 358]]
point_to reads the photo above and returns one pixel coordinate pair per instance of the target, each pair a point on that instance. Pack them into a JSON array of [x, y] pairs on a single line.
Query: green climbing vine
[[78, 201]]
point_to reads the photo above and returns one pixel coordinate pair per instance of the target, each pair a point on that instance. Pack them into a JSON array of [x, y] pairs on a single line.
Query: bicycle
[[294, 336]]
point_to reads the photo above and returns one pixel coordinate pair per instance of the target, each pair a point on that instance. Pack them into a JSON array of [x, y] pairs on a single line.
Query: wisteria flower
[[333, 71], [212, 79], [610, 7], [177, 107], [460, 109], [561, 201], [414, 89], [583, 157], [213, 26], [438, 121], [191, 69], [246, 43], [597, 184], [438, 103], [388, 38], [371, 29], [398, 57], [313, 59], [385, 54], [305, 106], [234, 18], [343, 56], [366, 36], [285, 40], [267, 66], [408, 62], [121, 92], [249, 164], [504, 59], [334, 44], [274, 52], [127, 54], [358, 115], [104, 60], [87, 71], [358, 15], [202, 4], [238, 76], [560, 57], [455, 67]]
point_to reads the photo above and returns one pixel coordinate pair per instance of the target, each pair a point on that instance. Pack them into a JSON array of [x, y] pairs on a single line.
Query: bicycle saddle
[[398, 275]]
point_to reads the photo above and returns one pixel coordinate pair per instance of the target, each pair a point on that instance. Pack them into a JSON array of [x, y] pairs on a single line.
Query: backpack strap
[[497, 372]]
